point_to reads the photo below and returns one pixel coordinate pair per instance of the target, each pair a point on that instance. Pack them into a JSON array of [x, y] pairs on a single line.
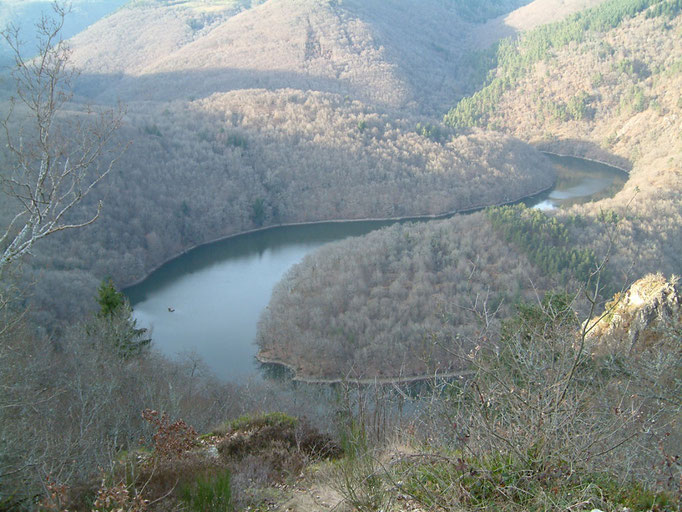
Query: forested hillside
[[228, 129], [372, 310], [612, 93], [527, 17], [603, 84], [245, 160], [409, 55]]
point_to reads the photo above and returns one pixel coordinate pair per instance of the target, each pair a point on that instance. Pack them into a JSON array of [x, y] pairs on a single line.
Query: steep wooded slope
[[249, 159], [614, 96], [233, 127], [248, 114], [370, 308], [408, 55], [390, 54], [527, 17]]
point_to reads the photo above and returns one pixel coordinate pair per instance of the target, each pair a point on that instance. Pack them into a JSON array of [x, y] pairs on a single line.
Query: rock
[[640, 318]]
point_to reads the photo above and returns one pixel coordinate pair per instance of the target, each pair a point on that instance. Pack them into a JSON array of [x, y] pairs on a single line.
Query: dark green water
[[218, 291]]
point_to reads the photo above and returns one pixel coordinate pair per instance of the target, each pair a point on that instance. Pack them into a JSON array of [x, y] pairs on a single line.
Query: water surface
[[580, 181], [209, 300]]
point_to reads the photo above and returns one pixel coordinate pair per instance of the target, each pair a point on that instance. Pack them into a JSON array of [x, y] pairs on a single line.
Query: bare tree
[[51, 165]]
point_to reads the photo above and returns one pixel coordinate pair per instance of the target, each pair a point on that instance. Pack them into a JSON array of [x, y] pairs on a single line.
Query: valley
[[219, 291], [240, 149], [375, 192]]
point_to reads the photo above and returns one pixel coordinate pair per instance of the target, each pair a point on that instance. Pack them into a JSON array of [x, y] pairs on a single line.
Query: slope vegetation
[[410, 55], [390, 55], [612, 94], [251, 159], [370, 310], [245, 115]]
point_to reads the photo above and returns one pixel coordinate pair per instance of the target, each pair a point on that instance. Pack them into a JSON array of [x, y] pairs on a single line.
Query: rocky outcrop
[[645, 315]]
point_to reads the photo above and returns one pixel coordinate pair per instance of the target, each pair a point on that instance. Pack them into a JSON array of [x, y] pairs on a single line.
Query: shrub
[[280, 443], [171, 439], [272, 419]]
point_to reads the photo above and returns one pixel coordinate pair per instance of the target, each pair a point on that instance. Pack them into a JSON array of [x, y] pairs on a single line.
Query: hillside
[[612, 96], [243, 115], [637, 58], [527, 17], [228, 129], [381, 458], [371, 310], [411, 55], [380, 53], [251, 159]]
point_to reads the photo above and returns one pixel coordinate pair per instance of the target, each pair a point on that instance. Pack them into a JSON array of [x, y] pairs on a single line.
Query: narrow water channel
[[209, 300]]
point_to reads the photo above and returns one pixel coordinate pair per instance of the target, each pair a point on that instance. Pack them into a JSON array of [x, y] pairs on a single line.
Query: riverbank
[[362, 381], [219, 291], [406, 218], [558, 149], [607, 159], [369, 305]]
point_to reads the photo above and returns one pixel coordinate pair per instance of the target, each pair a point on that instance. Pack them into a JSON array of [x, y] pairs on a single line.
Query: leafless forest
[[632, 111], [238, 115]]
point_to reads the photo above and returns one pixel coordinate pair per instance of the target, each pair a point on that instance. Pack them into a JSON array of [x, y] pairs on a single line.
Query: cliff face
[[644, 316]]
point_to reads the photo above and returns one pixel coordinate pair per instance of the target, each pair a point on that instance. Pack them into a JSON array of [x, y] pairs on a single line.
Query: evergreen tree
[[115, 325], [109, 298]]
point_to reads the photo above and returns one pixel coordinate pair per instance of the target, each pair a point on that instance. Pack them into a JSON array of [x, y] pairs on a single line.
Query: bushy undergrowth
[[234, 470], [543, 424], [209, 493], [257, 421], [496, 482]]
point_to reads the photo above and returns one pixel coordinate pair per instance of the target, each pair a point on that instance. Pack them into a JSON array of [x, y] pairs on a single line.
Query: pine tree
[[115, 325]]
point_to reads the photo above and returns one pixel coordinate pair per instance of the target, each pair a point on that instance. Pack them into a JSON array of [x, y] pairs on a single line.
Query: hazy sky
[[25, 14]]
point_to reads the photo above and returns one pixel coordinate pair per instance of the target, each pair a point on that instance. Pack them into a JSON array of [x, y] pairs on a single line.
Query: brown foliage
[[171, 439], [368, 310]]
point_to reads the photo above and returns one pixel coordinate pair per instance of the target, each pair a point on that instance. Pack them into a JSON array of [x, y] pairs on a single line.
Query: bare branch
[[53, 162]]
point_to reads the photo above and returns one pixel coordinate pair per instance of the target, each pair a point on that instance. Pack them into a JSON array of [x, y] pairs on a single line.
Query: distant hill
[[527, 17], [407, 55], [393, 55], [612, 95]]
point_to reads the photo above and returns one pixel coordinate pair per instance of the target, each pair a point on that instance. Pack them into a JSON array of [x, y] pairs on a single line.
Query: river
[[209, 300]]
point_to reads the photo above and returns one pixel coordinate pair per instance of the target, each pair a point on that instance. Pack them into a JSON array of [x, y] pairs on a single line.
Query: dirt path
[[318, 497]]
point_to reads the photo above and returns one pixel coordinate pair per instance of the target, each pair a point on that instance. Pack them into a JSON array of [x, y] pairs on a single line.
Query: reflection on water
[[210, 299], [588, 181]]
